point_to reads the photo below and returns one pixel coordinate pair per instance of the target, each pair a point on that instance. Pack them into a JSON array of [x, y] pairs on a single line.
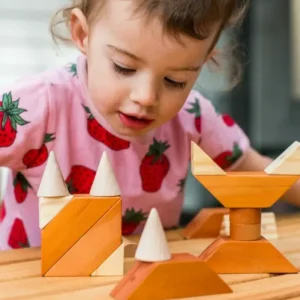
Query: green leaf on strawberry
[[131, 220], [196, 111], [228, 158], [11, 112], [156, 150]]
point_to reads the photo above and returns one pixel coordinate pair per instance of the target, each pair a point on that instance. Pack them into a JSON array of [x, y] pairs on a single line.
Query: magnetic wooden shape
[[94, 247], [247, 189], [70, 226], [287, 163], [181, 277], [226, 256], [268, 226], [206, 224], [113, 265], [202, 164], [50, 207]]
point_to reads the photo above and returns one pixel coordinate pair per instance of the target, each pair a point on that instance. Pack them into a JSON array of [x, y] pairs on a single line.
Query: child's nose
[[145, 95]]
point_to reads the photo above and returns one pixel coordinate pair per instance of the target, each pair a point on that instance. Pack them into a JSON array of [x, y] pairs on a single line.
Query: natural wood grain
[[247, 189], [21, 268]]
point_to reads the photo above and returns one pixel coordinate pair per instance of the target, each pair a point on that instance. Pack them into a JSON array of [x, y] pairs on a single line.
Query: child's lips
[[135, 122]]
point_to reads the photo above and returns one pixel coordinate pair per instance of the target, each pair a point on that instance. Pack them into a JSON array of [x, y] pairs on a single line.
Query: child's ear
[[79, 30]]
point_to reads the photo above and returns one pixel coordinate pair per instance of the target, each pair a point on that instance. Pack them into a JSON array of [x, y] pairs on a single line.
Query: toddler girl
[[129, 94]]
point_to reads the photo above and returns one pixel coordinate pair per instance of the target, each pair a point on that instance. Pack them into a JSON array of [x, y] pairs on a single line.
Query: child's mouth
[[134, 122]]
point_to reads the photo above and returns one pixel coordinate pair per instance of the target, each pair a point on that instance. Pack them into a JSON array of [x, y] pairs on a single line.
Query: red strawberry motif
[[228, 120], [131, 220], [195, 109], [80, 180], [2, 211], [227, 158], [100, 134], [18, 237], [21, 186], [9, 119], [154, 167], [36, 157]]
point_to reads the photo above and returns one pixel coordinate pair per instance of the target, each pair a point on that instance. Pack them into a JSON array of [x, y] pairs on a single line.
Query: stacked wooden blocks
[[243, 195], [81, 235]]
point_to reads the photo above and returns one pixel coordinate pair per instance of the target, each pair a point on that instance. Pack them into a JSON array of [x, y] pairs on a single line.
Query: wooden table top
[[20, 273]]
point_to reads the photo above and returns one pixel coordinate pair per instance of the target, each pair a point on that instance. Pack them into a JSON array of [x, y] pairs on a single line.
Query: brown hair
[[194, 18]]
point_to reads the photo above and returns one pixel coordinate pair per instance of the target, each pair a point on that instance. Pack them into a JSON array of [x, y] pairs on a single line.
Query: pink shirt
[[51, 111]]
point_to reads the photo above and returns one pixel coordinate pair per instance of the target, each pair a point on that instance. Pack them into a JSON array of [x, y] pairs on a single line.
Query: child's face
[[138, 76]]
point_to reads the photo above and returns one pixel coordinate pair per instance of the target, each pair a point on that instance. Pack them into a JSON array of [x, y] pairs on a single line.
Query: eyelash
[[127, 72]]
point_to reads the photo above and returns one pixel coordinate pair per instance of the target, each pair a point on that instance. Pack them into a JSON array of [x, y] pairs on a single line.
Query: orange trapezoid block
[[226, 256], [70, 226], [206, 224], [247, 189], [181, 277]]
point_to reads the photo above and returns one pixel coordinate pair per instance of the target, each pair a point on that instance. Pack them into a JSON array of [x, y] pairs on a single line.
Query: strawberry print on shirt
[[36, 157], [21, 186], [131, 220], [151, 170], [10, 118], [2, 211], [80, 180], [154, 166], [102, 135], [18, 236]]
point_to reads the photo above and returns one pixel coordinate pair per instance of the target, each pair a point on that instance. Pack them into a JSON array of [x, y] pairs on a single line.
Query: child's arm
[[253, 161]]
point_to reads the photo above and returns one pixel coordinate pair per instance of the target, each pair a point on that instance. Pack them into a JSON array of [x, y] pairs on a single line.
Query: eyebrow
[[133, 56]]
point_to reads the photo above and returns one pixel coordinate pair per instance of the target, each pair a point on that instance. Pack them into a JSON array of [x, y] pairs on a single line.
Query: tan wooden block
[[226, 256], [287, 163], [247, 189], [268, 226], [206, 224], [95, 245], [182, 276], [202, 164], [113, 265], [50, 207], [70, 225], [129, 247]]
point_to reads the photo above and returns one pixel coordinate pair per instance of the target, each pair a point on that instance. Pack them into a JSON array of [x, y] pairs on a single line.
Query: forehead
[[121, 26]]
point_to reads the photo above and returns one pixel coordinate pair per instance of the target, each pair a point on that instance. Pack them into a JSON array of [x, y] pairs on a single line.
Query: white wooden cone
[[52, 183], [153, 245], [105, 183]]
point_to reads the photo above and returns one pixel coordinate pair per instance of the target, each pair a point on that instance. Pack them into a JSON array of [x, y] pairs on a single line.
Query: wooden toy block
[[268, 226], [129, 247], [158, 275], [206, 224], [81, 234], [244, 194], [202, 163], [287, 163]]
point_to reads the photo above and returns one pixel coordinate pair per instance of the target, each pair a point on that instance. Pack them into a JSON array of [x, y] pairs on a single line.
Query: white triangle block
[[153, 245], [52, 183], [114, 265], [105, 183], [202, 164], [287, 163], [50, 207]]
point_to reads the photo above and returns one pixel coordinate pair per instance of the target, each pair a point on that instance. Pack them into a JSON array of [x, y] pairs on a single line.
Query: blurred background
[[266, 103]]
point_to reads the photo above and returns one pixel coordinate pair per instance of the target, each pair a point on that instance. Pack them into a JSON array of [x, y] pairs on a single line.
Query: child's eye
[[175, 84], [122, 70]]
